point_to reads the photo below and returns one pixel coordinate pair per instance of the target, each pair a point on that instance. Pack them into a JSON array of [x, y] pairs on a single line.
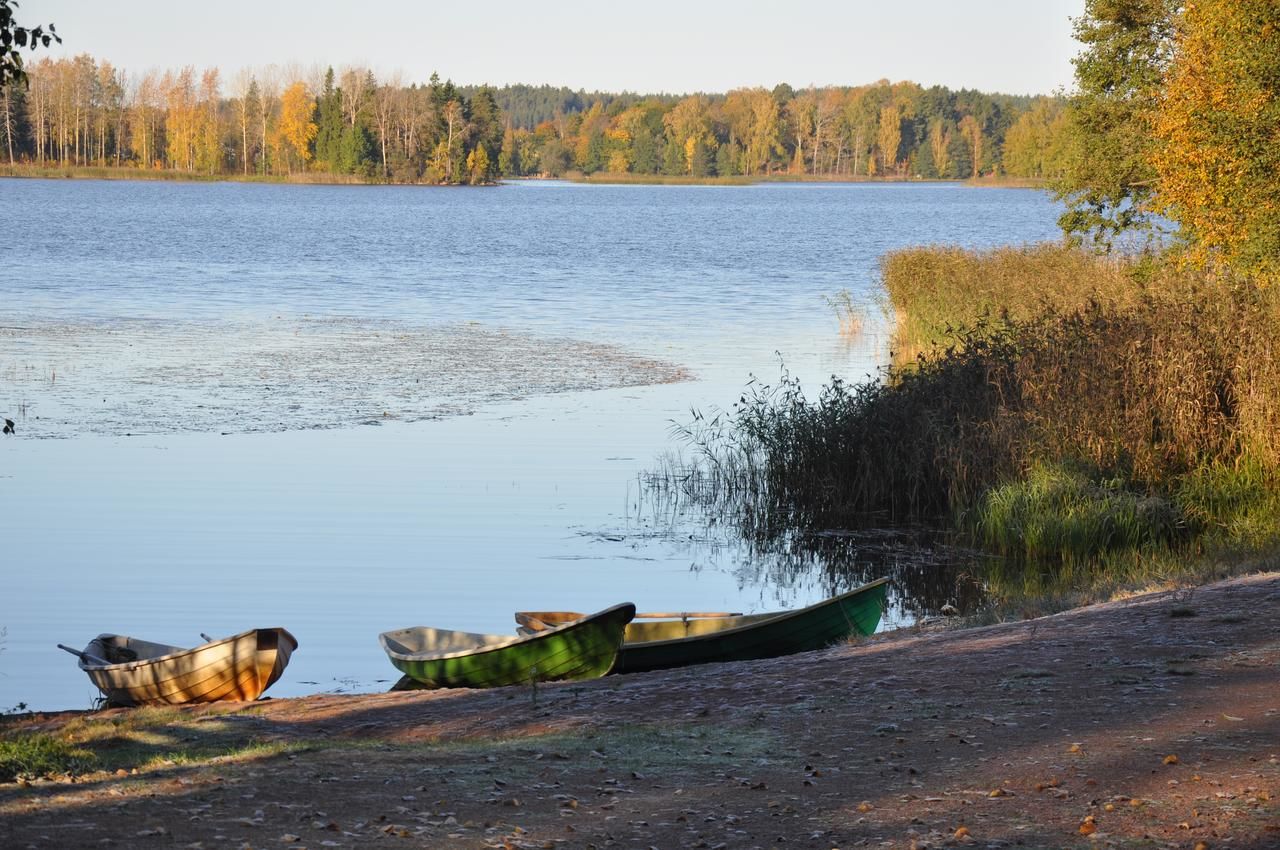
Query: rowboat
[[583, 647], [130, 671], [658, 641]]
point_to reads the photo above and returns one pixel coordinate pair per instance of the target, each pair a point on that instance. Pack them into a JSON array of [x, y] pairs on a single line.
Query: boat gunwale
[[124, 666], [780, 616], [506, 642]]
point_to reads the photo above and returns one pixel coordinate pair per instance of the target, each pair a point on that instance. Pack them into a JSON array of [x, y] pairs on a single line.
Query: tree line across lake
[[84, 112]]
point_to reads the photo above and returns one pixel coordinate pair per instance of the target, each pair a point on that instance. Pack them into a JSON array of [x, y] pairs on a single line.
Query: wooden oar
[[84, 656]]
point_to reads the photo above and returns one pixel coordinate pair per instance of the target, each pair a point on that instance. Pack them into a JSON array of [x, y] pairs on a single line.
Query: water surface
[[351, 409]]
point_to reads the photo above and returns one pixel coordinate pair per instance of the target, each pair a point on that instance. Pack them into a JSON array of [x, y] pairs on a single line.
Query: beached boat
[[129, 671], [583, 647], [657, 641]]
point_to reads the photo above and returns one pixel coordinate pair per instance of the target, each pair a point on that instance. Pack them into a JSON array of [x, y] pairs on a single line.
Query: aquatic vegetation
[[1114, 414]]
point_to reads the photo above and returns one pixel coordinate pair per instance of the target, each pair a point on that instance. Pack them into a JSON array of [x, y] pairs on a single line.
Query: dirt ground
[[1150, 722]]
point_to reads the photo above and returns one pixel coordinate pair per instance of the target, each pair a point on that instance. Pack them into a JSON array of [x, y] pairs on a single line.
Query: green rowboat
[[655, 642], [582, 648]]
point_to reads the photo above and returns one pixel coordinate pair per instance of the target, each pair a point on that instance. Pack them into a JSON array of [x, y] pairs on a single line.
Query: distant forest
[[85, 112]]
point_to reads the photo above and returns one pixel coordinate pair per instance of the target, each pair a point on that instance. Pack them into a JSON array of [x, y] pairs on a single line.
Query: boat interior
[[422, 640], [122, 649], [648, 627]]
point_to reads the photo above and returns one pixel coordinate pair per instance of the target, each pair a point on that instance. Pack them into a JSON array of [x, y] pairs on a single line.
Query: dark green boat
[[583, 648], [658, 641]]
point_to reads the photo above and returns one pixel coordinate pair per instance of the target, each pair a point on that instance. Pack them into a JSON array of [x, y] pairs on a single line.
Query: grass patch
[[142, 739], [1058, 514], [41, 756]]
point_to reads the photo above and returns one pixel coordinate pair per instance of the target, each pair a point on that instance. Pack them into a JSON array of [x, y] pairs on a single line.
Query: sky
[[1011, 46]]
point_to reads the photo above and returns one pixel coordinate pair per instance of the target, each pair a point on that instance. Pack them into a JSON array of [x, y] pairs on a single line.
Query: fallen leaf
[[961, 832], [1170, 759], [865, 806]]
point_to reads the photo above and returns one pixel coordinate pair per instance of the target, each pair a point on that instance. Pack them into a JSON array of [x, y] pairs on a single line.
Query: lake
[[347, 409]]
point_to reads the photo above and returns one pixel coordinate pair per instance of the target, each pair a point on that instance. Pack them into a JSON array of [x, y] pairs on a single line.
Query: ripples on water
[[571, 324]]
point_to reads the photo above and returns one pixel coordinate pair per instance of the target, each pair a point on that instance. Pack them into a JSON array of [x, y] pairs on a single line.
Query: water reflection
[[929, 570]]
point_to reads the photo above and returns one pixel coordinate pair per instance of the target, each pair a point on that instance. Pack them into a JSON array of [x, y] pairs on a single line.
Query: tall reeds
[[1061, 407]]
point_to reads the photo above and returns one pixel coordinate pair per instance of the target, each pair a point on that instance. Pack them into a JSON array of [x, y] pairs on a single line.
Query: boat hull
[[237, 668], [584, 649], [745, 638]]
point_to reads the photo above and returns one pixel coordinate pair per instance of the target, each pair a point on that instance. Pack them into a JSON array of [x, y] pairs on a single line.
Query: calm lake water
[[350, 409]]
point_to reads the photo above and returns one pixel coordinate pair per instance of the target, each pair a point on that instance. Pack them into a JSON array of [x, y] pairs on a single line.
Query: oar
[[207, 639], [84, 656]]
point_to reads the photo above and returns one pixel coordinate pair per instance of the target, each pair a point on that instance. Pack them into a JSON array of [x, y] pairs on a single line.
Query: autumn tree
[[181, 118], [209, 124], [688, 127], [972, 132], [295, 129], [765, 139], [1217, 132], [939, 143], [890, 137]]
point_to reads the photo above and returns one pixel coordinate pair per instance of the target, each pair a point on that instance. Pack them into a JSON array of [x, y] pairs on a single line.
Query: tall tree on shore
[[939, 142], [1217, 128], [385, 100], [245, 93], [329, 124], [1109, 182], [209, 134], [971, 129], [295, 129], [890, 137]]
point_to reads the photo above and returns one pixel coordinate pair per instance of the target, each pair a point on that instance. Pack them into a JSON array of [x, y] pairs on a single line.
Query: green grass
[[142, 739], [1060, 515], [41, 756]]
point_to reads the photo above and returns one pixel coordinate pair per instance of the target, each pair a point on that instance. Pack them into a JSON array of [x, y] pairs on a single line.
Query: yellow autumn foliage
[[1218, 130]]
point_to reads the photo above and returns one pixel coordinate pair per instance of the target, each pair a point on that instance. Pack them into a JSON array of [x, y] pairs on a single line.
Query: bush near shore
[[1068, 411]]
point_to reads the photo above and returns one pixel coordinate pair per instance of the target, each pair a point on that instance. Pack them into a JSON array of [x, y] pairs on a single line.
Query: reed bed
[[1084, 415]]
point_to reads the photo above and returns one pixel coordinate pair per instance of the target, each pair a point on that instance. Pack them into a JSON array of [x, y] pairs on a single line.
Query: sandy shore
[[1149, 722]]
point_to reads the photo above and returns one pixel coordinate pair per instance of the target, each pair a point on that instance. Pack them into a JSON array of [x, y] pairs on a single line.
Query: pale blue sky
[[1015, 46]]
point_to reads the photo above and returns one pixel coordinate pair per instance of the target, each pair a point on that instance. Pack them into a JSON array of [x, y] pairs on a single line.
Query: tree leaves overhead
[[14, 38], [1217, 132], [1108, 182]]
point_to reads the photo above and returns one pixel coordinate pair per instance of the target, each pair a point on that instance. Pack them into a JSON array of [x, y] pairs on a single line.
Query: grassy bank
[[1086, 419], [94, 172]]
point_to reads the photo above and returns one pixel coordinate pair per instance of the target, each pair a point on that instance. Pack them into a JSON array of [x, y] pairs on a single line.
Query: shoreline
[[23, 172], [1149, 719]]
